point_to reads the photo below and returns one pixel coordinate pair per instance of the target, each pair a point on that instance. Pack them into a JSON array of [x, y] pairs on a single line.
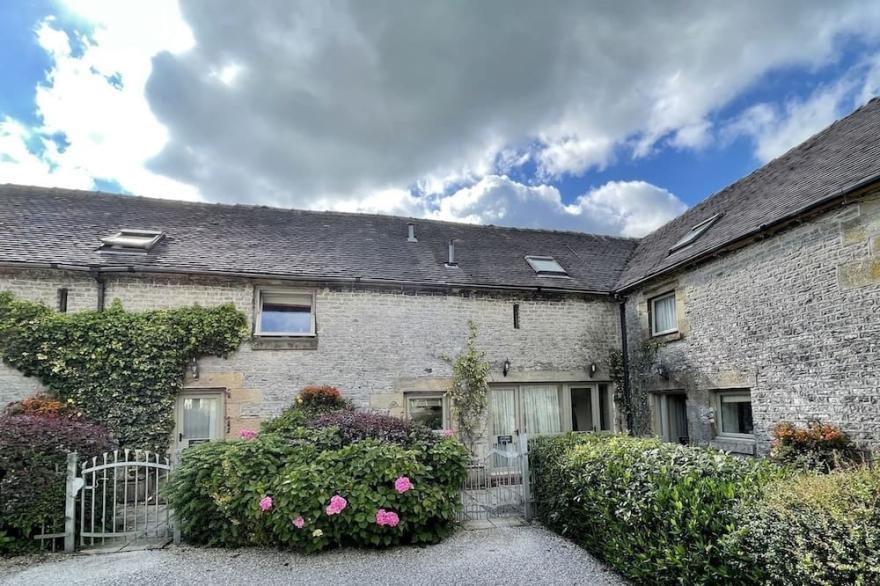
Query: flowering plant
[[265, 503], [336, 506], [247, 434], [402, 484], [386, 518], [817, 446]]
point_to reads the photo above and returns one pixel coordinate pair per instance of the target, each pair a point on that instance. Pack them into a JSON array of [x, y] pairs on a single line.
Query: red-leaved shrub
[[42, 405], [355, 426], [818, 446], [33, 457]]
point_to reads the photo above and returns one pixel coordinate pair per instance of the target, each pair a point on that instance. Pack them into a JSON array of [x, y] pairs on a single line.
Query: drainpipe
[[102, 289], [627, 397]]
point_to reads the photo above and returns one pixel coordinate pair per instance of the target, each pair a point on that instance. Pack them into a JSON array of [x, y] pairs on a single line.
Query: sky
[[601, 117]]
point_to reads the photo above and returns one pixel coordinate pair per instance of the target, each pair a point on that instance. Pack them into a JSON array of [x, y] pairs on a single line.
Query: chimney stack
[[451, 262], [411, 237]]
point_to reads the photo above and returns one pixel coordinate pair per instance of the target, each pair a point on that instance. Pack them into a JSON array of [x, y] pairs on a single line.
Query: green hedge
[[218, 489], [654, 511], [814, 529]]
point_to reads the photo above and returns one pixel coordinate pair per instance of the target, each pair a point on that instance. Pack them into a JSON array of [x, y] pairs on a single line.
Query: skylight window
[[694, 233], [546, 266], [132, 241]]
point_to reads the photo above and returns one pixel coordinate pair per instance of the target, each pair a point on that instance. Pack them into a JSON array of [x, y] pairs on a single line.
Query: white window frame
[[220, 426], [422, 395], [719, 424], [653, 314], [661, 415], [533, 261], [568, 406], [258, 314]]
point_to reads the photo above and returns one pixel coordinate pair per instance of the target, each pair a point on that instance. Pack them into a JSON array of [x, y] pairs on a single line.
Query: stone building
[[760, 304]]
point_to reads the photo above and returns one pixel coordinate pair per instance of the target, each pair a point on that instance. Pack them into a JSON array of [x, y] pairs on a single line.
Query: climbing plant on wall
[[470, 387], [120, 368], [641, 363]]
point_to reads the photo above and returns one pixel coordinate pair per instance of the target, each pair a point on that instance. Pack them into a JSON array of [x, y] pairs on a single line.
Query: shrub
[[818, 446], [271, 491], [321, 399], [33, 457], [654, 511], [354, 426], [42, 405], [814, 529]]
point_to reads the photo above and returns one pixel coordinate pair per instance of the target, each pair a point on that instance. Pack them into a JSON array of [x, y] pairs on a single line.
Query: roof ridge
[[92, 193]]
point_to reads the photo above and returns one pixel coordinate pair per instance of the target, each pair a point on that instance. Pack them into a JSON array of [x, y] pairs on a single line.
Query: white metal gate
[[497, 485], [118, 500]]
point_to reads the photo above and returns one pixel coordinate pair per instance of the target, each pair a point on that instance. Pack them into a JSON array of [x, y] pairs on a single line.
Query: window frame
[[408, 396], [595, 406], [652, 313], [719, 415], [533, 258], [116, 242], [221, 425], [258, 313], [694, 233]]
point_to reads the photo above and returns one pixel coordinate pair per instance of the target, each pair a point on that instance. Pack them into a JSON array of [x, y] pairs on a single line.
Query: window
[[694, 233], [285, 313], [546, 266], [734, 417], [131, 241], [62, 300], [670, 417], [663, 317], [591, 408], [516, 316], [429, 410], [200, 417]]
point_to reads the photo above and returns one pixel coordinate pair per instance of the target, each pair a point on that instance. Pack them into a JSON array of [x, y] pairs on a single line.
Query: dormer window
[[546, 266], [131, 241], [694, 233]]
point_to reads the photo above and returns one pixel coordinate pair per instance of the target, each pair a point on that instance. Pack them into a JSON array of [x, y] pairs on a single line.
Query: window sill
[[734, 445], [667, 337], [284, 343]]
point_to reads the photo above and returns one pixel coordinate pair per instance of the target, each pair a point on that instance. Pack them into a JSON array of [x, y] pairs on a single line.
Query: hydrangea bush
[[316, 486]]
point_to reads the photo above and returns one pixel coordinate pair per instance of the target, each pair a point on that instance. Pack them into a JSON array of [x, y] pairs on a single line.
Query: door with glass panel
[[200, 418], [591, 407]]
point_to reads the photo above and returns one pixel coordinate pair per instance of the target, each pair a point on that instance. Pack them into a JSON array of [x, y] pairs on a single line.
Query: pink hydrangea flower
[[337, 504], [402, 484], [299, 522], [247, 434], [388, 518], [448, 433], [265, 503]]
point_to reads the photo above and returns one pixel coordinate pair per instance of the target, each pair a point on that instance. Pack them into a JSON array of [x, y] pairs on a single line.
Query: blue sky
[[579, 116]]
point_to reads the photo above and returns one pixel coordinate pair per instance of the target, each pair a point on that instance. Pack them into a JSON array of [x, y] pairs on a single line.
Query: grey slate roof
[[842, 156], [39, 225]]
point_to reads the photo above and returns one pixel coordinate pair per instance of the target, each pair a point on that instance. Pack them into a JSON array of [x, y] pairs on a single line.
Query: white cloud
[[347, 105], [95, 99], [629, 208]]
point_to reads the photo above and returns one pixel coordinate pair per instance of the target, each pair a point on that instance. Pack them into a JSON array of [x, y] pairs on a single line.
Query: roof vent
[[546, 266], [411, 237], [694, 233], [451, 261], [131, 241]]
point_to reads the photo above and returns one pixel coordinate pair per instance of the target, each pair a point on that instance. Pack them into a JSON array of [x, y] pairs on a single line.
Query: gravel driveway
[[502, 555]]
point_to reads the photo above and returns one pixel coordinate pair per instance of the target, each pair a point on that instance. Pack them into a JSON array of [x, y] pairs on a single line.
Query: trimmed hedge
[[33, 459], [276, 490], [654, 511], [814, 529]]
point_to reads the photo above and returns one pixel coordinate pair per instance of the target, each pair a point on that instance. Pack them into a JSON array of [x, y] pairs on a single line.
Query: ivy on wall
[[470, 387], [641, 364], [119, 368]]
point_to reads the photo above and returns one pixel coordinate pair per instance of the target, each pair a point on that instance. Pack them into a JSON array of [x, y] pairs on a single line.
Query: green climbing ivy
[[642, 359], [120, 368], [470, 388]]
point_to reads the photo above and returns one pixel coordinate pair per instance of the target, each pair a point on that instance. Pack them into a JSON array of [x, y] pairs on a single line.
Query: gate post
[[71, 489], [526, 479], [175, 527]]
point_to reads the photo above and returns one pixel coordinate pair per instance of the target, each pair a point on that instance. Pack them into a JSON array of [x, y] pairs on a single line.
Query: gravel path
[[503, 555]]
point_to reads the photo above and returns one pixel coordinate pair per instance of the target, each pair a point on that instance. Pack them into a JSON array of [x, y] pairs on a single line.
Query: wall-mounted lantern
[[194, 368], [505, 368], [662, 372], [592, 369]]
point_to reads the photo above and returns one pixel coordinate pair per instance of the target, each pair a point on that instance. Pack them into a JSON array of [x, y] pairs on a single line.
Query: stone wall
[[795, 318], [372, 344]]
